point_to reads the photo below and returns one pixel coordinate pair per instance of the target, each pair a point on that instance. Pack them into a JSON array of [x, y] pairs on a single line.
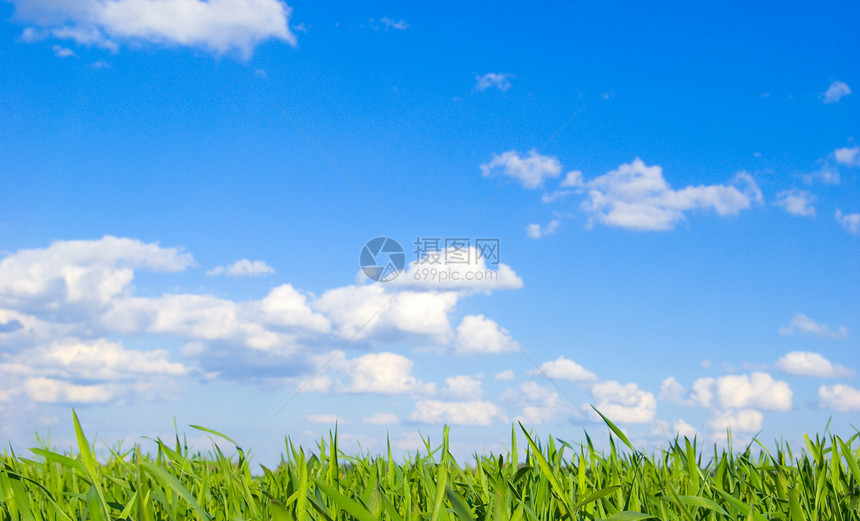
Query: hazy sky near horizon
[[187, 187]]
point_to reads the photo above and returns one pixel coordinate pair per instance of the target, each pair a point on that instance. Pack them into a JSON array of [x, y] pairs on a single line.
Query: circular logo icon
[[382, 259]]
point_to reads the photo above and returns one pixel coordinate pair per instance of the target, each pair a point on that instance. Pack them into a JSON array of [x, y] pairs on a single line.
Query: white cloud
[[839, 397], [285, 306], [463, 387], [274, 324], [329, 419], [796, 202], [540, 404], [474, 412], [242, 268], [805, 363], [380, 373], [623, 403], [501, 81], [381, 418], [848, 156], [507, 374], [637, 197], [756, 390], [836, 91], [49, 390], [702, 392], [684, 429], [744, 420], [89, 371], [390, 23], [672, 391], [93, 360], [220, 26], [564, 369], [530, 171], [849, 221], [478, 335], [679, 428], [81, 271], [535, 231], [373, 312], [804, 325], [62, 52], [80, 293]]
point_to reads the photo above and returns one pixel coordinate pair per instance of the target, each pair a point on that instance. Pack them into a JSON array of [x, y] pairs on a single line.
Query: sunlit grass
[[555, 480]]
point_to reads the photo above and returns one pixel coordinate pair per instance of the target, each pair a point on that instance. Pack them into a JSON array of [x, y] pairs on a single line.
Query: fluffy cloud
[[805, 363], [530, 171], [839, 397], [702, 392], [49, 390], [477, 334], [672, 391], [564, 369], [623, 403], [380, 373], [71, 298], [540, 404], [462, 387], [475, 412], [81, 271], [679, 428], [744, 420], [493, 80], [796, 202], [756, 390], [637, 197], [507, 374], [849, 221], [374, 312], [78, 371], [276, 324], [684, 429], [242, 268], [836, 91], [95, 360], [381, 418], [802, 324], [848, 156], [220, 26]]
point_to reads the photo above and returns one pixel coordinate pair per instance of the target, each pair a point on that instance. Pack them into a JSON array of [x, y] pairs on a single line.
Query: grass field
[[555, 480]]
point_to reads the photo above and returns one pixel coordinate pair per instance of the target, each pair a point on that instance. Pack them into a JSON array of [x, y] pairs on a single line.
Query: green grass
[[556, 480]]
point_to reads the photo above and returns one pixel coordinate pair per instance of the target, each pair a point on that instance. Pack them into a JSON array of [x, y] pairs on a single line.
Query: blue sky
[[187, 186]]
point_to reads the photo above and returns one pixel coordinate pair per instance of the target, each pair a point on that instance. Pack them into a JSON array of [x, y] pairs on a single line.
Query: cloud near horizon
[[65, 308]]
